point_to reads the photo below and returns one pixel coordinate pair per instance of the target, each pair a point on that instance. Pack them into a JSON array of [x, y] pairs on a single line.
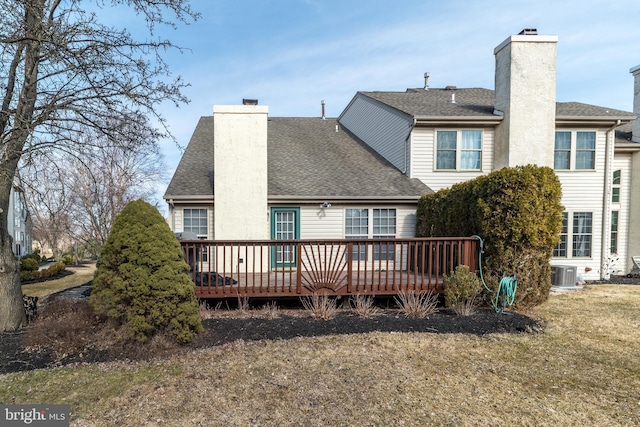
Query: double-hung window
[[574, 150], [560, 251], [577, 228], [381, 226], [458, 150], [357, 227], [614, 232], [384, 227], [582, 230], [195, 221]]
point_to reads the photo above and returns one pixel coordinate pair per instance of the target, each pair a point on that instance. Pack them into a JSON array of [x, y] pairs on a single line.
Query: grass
[[81, 274], [582, 371]]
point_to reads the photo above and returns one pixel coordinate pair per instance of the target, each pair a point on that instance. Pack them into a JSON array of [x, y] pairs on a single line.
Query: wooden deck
[[293, 268]]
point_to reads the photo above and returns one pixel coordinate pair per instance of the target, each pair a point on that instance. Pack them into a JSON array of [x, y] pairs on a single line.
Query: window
[[357, 227], [582, 228], [560, 251], [195, 220], [615, 190], [575, 148], [614, 232], [467, 157], [578, 232], [384, 227], [562, 154]]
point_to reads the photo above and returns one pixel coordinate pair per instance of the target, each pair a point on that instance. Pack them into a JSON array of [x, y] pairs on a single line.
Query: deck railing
[[288, 268]]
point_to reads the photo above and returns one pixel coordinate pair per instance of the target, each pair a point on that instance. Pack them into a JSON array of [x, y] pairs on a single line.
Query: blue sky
[[291, 54]]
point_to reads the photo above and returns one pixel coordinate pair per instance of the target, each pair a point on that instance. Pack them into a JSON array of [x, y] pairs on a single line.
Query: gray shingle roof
[[437, 102], [473, 102], [194, 174], [307, 159]]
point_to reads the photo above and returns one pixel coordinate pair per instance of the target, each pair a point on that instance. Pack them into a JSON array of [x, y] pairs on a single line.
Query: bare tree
[[103, 181], [49, 199], [63, 72]]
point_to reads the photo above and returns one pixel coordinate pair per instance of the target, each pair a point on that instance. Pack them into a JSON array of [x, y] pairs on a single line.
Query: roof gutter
[[468, 120], [600, 120]]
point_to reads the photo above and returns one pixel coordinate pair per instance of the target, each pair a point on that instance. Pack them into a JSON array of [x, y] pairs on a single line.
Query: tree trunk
[[12, 314]]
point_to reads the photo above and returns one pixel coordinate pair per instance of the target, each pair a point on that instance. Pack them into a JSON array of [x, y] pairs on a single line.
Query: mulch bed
[[226, 329]]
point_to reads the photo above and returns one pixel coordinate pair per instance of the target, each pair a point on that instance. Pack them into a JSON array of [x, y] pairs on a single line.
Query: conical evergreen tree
[[141, 280]]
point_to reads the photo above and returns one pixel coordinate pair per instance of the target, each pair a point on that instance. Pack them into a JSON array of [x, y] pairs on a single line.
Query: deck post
[[299, 268]]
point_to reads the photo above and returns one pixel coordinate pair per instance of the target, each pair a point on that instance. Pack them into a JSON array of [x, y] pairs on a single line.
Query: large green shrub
[[141, 280], [518, 213]]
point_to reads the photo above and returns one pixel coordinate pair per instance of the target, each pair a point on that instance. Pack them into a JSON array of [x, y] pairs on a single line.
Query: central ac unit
[[563, 275]]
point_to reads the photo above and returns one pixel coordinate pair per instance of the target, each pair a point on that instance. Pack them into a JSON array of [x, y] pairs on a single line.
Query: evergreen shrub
[[141, 282], [28, 264], [518, 213], [461, 288]]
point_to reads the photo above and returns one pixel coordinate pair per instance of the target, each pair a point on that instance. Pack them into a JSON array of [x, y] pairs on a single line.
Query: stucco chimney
[[525, 92], [635, 125], [240, 172]]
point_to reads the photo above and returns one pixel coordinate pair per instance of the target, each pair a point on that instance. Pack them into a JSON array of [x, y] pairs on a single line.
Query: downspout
[[406, 146], [606, 213]]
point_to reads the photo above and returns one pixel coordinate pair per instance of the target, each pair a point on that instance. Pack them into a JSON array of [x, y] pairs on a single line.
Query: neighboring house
[[19, 223], [445, 136], [361, 175]]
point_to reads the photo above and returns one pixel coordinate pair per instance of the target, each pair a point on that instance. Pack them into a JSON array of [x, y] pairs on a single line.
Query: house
[[19, 223], [245, 175], [445, 136]]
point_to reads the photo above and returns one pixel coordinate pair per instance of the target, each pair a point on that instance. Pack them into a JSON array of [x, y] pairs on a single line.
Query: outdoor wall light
[[325, 205]]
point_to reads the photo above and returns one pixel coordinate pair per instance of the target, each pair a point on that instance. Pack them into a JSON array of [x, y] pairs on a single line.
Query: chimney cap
[[246, 101], [451, 87], [528, 32]]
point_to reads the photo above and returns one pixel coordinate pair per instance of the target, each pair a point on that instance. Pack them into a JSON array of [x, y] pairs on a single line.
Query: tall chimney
[[635, 125], [525, 93], [240, 172]]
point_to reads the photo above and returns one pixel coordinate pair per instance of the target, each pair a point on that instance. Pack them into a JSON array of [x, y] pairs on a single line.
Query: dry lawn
[[81, 275], [582, 371]]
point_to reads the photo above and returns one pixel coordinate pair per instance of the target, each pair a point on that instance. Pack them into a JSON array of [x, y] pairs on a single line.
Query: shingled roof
[[475, 102], [307, 159]]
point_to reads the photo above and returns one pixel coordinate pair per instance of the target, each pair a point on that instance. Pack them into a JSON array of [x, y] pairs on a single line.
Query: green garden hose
[[506, 293]]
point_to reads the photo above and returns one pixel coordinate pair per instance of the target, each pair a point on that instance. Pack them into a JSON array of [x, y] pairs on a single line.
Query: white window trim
[[371, 235], [570, 234], [574, 149], [458, 149]]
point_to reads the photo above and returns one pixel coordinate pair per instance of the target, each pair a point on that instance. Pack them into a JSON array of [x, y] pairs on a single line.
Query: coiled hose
[[505, 295]]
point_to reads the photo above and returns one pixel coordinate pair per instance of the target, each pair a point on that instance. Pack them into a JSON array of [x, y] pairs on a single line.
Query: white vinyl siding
[[379, 126], [177, 222], [622, 163], [583, 191], [423, 159], [329, 223]]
